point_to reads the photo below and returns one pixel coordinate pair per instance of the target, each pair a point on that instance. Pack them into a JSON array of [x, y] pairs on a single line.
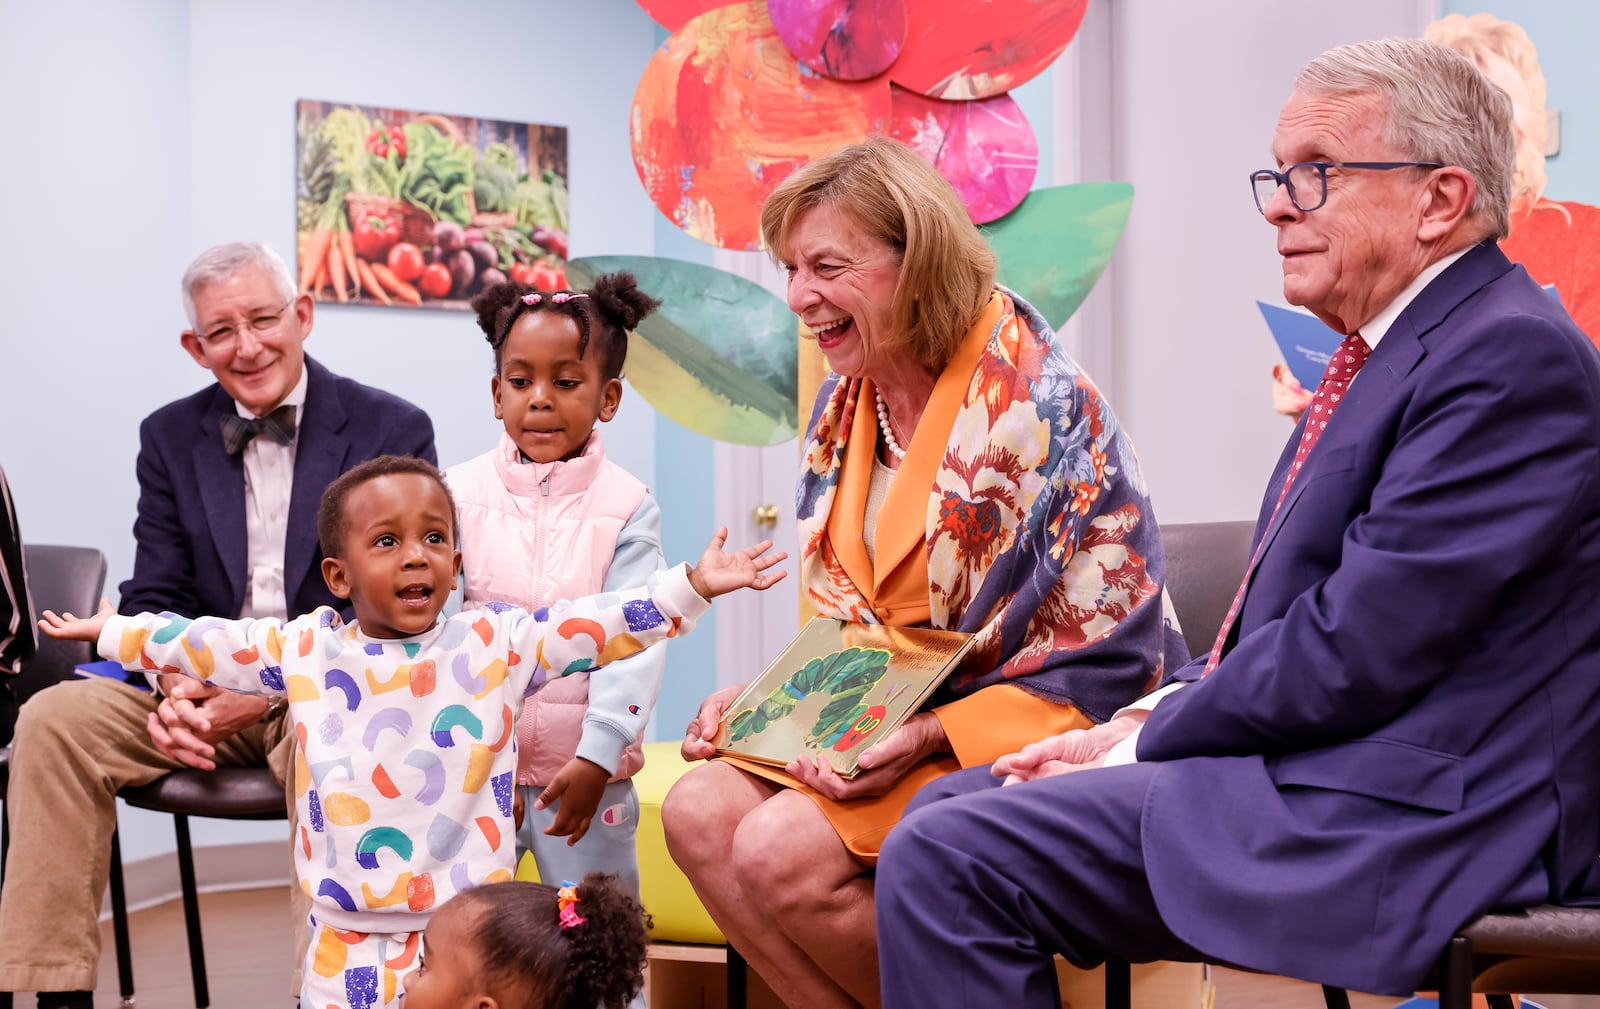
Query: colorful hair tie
[[567, 899], [532, 299], [562, 297]]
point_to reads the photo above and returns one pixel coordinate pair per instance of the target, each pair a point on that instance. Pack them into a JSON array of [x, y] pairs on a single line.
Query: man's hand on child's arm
[[71, 628], [721, 572], [578, 785]]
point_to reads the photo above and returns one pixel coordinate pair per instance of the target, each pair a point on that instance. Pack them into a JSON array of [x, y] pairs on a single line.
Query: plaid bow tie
[[237, 431]]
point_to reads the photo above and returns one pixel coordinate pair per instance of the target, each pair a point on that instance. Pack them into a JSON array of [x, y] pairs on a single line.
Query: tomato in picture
[[405, 261], [435, 281], [546, 277]]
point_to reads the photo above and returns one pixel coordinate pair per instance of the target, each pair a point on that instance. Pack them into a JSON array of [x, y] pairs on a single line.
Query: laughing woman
[[960, 472]]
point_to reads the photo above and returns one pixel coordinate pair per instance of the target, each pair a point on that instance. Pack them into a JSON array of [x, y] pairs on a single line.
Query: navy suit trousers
[[1059, 869]]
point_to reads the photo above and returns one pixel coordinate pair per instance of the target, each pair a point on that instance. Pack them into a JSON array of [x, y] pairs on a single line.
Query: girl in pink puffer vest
[[544, 516]]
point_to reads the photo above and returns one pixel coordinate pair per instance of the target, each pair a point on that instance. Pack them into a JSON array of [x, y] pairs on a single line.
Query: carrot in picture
[[336, 271], [319, 280], [347, 248], [402, 290], [315, 257], [372, 282]]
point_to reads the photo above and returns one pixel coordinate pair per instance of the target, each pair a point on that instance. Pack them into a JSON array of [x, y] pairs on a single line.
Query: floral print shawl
[[1039, 533]]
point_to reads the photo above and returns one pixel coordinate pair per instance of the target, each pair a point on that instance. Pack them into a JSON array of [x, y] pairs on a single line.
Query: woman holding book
[[961, 472]]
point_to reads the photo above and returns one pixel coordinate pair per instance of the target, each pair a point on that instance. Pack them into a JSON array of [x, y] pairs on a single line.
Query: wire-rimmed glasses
[[259, 323], [1308, 178]]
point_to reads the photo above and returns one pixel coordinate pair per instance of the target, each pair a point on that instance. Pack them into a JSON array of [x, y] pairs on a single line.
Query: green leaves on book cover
[[847, 675]]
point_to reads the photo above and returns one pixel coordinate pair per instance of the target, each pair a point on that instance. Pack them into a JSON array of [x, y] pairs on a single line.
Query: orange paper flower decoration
[[723, 114]]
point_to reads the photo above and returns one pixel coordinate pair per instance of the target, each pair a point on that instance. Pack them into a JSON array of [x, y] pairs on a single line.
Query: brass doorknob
[[765, 516]]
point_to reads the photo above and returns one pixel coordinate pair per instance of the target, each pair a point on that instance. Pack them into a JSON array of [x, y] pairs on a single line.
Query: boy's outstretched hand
[[720, 572], [71, 628]]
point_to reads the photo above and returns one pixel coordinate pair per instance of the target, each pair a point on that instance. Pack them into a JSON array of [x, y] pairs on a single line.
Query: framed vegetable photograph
[[419, 210]]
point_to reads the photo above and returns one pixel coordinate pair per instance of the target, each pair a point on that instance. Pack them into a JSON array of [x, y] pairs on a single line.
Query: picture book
[[836, 689]]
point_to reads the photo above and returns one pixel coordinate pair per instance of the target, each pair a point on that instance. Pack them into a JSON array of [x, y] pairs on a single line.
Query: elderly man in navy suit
[[230, 479], [1396, 730]]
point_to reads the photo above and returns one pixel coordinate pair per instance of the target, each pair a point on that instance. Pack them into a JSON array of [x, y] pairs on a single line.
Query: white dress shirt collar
[[1379, 324]]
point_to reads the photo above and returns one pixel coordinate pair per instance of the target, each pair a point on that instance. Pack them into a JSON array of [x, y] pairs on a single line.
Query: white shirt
[[268, 483], [1125, 752]]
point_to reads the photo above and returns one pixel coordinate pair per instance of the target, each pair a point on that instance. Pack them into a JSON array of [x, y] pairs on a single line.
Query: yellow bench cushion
[[665, 890]]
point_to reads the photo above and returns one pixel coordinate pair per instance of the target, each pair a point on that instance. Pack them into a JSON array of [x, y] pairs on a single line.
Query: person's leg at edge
[[701, 815], [77, 744], [978, 891], [610, 845]]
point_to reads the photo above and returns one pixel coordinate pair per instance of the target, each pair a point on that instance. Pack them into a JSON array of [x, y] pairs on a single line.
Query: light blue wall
[[1564, 32]]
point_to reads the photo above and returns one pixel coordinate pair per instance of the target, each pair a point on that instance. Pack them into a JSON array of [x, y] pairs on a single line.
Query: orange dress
[[982, 726]]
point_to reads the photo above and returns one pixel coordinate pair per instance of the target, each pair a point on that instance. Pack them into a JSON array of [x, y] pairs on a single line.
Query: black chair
[[63, 579], [1205, 562], [1544, 949], [229, 793]]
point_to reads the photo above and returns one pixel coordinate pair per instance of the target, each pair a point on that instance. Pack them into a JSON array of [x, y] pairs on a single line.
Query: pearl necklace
[[883, 425]]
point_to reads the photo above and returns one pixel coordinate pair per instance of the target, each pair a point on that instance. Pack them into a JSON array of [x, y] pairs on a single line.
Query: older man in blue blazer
[[1397, 728], [229, 483]]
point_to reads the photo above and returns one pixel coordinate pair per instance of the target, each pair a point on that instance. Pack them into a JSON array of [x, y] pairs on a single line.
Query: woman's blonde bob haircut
[[885, 187]]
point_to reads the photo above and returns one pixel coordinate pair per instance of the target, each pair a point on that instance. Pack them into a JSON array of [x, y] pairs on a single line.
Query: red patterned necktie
[[1336, 379]]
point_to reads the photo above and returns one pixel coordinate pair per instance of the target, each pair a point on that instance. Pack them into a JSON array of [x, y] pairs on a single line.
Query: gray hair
[[1441, 108], [223, 261]]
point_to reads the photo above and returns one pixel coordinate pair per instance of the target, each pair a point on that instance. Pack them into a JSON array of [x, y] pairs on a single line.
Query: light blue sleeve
[[620, 703]]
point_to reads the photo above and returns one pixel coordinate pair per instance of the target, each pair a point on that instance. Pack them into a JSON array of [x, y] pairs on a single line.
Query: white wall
[[138, 134], [1194, 96]]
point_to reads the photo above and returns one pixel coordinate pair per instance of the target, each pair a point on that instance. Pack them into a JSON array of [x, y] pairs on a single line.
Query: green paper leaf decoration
[[718, 357], [1055, 245]]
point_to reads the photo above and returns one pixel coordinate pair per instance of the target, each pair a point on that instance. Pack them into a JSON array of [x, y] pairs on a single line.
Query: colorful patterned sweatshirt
[[407, 745]]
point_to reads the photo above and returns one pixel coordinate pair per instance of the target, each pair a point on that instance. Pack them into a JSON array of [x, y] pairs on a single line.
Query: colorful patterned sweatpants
[[357, 970]]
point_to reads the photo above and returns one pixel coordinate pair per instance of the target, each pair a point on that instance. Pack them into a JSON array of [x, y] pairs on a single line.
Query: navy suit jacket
[[1402, 733], [190, 533]]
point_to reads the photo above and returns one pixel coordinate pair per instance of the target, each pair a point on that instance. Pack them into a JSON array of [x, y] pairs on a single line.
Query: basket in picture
[[416, 226]]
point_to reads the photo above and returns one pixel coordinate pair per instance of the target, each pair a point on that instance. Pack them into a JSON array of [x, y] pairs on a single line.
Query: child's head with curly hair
[[533, 946], [558, 359]]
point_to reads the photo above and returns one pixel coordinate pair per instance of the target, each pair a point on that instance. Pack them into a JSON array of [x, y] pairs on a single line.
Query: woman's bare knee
[[788, 851], [703, 809]]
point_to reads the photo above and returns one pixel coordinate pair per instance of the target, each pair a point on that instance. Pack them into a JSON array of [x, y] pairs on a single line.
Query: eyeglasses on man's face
[[260, 323], [1308, 180]]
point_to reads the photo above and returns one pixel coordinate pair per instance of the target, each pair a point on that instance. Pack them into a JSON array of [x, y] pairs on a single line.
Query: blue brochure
[[1305, 341], [112, 670]]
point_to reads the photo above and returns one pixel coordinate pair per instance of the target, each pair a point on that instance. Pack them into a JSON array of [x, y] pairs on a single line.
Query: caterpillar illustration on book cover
[[819, 698]]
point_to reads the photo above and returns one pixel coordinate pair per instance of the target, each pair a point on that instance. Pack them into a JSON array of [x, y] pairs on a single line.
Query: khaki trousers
[[77, 743]]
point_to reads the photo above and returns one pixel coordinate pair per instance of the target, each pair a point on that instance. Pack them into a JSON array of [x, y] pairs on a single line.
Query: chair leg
[[191, 912], [1501, 1001], [738, 980], [1335, 998], [5, 849], [119, 922], [1119, 984], [1455, 975]]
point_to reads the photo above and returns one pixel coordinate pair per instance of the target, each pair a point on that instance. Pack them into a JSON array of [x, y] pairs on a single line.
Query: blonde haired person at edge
[[959, 471], [1557, 242]]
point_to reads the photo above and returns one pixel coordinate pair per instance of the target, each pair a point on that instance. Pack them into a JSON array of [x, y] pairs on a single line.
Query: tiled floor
[[248, 939]]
